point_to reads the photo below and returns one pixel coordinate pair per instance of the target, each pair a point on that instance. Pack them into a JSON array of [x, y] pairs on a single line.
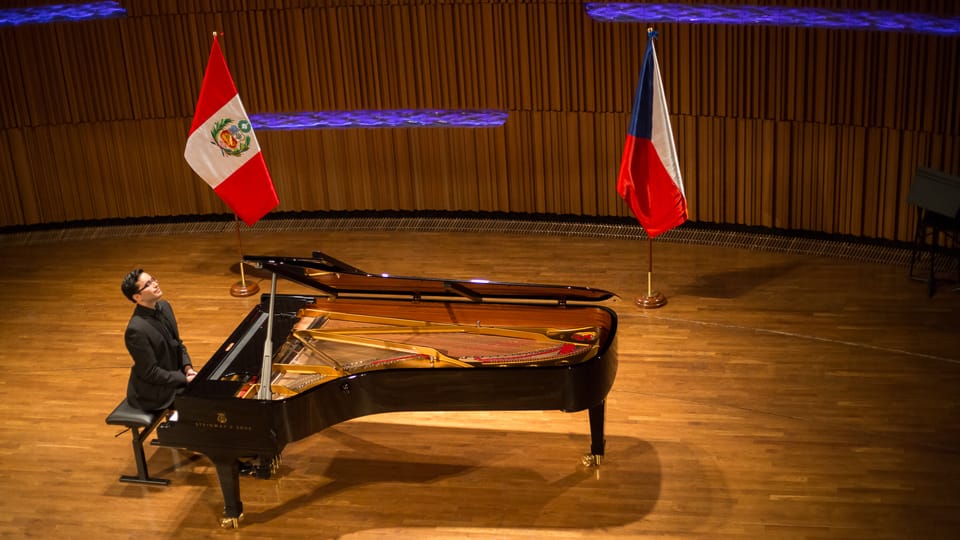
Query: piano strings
[[325, 345]]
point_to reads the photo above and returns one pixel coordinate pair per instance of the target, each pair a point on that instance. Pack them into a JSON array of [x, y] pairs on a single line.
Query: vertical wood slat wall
[[802, 129]]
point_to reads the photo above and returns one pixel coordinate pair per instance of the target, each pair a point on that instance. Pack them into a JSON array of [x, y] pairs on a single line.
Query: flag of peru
[[649, 179], [222, 148]]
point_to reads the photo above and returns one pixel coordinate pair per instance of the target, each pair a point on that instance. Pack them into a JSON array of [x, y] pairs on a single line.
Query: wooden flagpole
[[653, 299]]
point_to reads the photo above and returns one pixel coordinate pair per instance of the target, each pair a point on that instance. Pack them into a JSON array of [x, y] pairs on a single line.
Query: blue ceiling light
[[61, 13], [774, 16], [400, 118]]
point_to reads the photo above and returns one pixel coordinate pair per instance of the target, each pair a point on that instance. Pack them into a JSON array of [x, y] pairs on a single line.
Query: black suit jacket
[[153, 339]]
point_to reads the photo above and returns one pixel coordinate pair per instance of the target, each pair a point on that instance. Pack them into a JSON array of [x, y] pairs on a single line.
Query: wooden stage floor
[[775, 396]]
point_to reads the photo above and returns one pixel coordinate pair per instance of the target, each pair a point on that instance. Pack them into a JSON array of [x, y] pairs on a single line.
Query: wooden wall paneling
[[706, 76], [91, 151], [325, 60], [167, 86], [831, 197], [143, 67], [872, 181], [403, 172], [742, 204], [430, 183], [534, 150], [555, 58], [242, 46], [356, 83], [798, 175], [752, 88], [783, 178], [333, 144], [51, 200], [571, 40], [305, 41], [590, 185], [755, 185], [483, 168], [547, 192], [500, 152], [384, 70], [285, 156], [464, 173], [382, 187], [894, 84], [432, 55], [143, 73], [520, 59], [305, 38], [274, 67], [439, 56], [728, 141], [403, 47], [12, 205], [714, 147], [321, 190], [42, 87], [686, 133], [811, 202], [791, 76], [467, 41], [567, 176], [722, 60], [891, 141], [850, 172], [824, 74], [12, 111], [739, 189], [519, 165], [706, 163], [495, 73], [367, 152], [913, 149], [770, 174], [678, 75]]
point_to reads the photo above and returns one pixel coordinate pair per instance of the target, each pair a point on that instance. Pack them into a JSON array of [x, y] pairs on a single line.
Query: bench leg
[[143, 476]]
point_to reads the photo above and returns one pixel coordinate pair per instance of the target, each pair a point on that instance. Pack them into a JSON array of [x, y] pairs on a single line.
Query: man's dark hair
[[129, 285]]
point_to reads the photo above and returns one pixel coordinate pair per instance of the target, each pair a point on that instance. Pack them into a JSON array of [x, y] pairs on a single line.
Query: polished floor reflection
[[774, 396]]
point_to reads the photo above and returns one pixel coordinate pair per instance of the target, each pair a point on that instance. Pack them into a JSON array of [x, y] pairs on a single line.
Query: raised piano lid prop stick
[[649, 179], [223, 150]]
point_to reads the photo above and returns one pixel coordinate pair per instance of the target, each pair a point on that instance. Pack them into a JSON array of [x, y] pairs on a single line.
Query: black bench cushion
[[130, 416]]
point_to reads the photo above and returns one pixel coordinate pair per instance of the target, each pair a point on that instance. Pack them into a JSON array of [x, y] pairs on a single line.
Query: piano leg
[[228, 472], [597, 440]]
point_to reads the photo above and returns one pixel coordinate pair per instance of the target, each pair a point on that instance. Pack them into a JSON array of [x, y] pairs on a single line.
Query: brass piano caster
[[591, 461], [231, 522]]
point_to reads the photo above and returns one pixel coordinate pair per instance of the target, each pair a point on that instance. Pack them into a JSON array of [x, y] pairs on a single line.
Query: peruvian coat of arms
[[231, 137]]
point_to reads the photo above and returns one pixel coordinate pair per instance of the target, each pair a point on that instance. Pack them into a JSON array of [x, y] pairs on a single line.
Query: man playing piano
[[161, 366]]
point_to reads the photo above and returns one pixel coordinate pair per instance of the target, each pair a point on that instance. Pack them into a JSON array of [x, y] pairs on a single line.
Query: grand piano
[[372, 343]]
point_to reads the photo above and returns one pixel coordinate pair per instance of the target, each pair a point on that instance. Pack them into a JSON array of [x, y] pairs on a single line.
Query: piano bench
[[141, 424]]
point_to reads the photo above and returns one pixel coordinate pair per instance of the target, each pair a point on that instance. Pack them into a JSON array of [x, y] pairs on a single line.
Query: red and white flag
[[649, 179], [222, 148]]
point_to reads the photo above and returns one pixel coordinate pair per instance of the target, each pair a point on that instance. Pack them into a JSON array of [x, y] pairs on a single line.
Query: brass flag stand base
[[652, 301], [242, 288]]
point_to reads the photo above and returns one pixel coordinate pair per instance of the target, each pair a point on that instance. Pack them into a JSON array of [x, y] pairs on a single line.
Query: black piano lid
[[338, 279]]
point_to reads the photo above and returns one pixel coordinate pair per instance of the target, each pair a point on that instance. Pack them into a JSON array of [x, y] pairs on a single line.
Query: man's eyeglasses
[[147, 285]]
